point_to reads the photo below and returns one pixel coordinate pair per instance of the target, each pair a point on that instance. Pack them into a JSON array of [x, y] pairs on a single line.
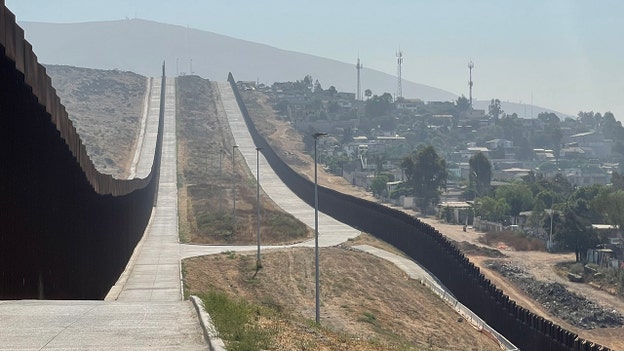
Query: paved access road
[[331, 231], [145, 309]]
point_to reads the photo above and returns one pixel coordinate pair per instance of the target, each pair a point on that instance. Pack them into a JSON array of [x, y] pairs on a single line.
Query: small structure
[[460, 210]]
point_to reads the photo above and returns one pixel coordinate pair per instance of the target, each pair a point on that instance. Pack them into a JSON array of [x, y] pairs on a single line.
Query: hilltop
[[140, 46]]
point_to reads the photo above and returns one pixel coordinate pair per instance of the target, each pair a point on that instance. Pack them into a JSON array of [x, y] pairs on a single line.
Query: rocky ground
[[106, 107], [539, 264], [559, 301]]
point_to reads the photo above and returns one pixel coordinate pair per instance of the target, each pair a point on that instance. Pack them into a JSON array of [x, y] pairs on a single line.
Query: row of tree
[[556, 206]]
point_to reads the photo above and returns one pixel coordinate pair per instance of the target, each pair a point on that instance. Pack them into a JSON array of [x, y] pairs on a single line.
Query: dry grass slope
[[106, 109]]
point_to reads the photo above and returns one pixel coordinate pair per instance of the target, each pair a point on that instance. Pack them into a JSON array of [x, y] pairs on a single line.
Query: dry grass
[[366, 303], [206, 178], [515, 240], [106, 108]]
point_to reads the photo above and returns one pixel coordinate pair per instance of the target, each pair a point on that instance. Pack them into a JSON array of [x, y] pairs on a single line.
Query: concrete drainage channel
[[210, 332]]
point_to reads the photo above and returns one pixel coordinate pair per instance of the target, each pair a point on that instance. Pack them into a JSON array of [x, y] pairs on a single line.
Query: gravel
[[559, 301]]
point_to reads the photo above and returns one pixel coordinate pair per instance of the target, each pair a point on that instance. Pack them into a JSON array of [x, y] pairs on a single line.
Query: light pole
[[234, 147], [552, 213], [258, 262], [316, 247], [220, 180]]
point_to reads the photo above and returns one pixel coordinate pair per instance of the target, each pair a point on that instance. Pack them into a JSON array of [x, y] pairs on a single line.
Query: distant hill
[[140, 46]]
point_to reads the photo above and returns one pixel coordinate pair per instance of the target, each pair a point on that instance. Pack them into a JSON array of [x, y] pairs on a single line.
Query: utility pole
[[399, 56], [234, 147], [258, 262], [220, 180], [316, 247], [358, 67], [470, 67]]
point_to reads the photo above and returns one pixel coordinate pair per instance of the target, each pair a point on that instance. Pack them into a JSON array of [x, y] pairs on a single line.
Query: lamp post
[[258, 262], [220, 180], [552, 213], [234, 147], [316, 247]]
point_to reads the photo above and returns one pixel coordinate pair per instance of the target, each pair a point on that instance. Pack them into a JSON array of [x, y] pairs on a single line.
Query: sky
[[565, 55]]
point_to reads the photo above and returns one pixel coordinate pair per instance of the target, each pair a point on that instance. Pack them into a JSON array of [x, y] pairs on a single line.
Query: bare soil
[[288, 144], [106, 108], [539, 264], [367, 303]]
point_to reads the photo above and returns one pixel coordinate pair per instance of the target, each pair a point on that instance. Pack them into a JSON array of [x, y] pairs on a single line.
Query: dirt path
[[540, 265]]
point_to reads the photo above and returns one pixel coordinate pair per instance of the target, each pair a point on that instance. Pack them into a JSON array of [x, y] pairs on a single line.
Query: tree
[[617, 180], [552, 131], [492, 209], [378, 185], [610, 204], [368, 93], [378, 105], [575, 233], [426, 175], [495, 110], [307, 80], [518, 196], [317, 87], [332, 91], [462, 104], [480, 173], [336, 163], [612, 129], [586, 118]]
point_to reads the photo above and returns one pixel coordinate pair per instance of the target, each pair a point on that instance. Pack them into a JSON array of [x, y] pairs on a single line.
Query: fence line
[[432, 250]]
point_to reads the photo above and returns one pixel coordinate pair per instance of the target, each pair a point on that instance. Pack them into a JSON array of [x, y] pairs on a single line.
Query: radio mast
[[358, 94], [399, 56], [470, 67]]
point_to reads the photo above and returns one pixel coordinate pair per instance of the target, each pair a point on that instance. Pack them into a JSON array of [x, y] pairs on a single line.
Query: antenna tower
[[399, 56], [358, 66], [470, 67]]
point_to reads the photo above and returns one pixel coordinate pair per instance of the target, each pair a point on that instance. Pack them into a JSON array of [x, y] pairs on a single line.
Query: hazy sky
[[565, 54]]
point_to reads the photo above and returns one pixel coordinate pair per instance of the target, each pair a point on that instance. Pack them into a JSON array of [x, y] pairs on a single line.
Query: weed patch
[[235, 322]]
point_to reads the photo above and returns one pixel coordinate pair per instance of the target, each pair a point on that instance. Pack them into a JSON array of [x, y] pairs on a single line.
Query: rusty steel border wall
[[434, 251], [66, 230], [18, 50]]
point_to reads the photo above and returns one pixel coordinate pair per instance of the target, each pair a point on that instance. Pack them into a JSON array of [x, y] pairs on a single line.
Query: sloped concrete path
[[331, 231], [144, 311]]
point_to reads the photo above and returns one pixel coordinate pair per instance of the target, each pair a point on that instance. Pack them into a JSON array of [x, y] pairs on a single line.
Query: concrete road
[[331, 231], [144, 310]]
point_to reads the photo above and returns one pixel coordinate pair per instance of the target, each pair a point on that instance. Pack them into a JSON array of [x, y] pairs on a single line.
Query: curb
[[210, 333]]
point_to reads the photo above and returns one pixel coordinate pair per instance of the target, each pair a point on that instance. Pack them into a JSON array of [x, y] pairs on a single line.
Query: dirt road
[[540, 265]]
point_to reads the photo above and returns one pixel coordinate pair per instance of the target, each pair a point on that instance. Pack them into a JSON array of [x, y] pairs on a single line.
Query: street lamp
[[316, 247], [221, 152], [552, 213], [234, 147], [258, 262]]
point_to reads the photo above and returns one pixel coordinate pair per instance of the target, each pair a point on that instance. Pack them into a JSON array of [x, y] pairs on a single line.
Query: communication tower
[[399, 56], [358, 67], [470, 67]]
